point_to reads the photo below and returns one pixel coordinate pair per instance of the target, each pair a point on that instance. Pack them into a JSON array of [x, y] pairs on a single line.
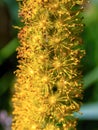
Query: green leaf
[[89, 112], [8, 50], [91, 77], [5, 82]]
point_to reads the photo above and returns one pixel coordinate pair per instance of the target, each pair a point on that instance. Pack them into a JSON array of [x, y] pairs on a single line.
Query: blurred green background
[[8, 62]]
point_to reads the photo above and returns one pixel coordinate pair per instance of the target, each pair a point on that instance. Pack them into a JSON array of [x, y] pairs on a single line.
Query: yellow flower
[[48, 87]]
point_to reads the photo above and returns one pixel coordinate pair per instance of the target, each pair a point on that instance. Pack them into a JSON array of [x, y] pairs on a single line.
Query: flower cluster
[[48, 88]]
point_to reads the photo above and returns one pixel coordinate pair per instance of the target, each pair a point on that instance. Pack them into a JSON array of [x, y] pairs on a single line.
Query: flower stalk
[[49, 84]]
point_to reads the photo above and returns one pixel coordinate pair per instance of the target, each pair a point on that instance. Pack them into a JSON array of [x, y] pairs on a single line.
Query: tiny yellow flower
[[48, 86]]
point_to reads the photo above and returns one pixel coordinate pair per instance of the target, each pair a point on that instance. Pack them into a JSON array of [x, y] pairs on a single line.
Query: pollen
[[52, 100], [45, 79], [57, 64]]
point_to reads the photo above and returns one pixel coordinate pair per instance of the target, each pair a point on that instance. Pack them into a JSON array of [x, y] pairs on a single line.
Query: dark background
[[8, 62]]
